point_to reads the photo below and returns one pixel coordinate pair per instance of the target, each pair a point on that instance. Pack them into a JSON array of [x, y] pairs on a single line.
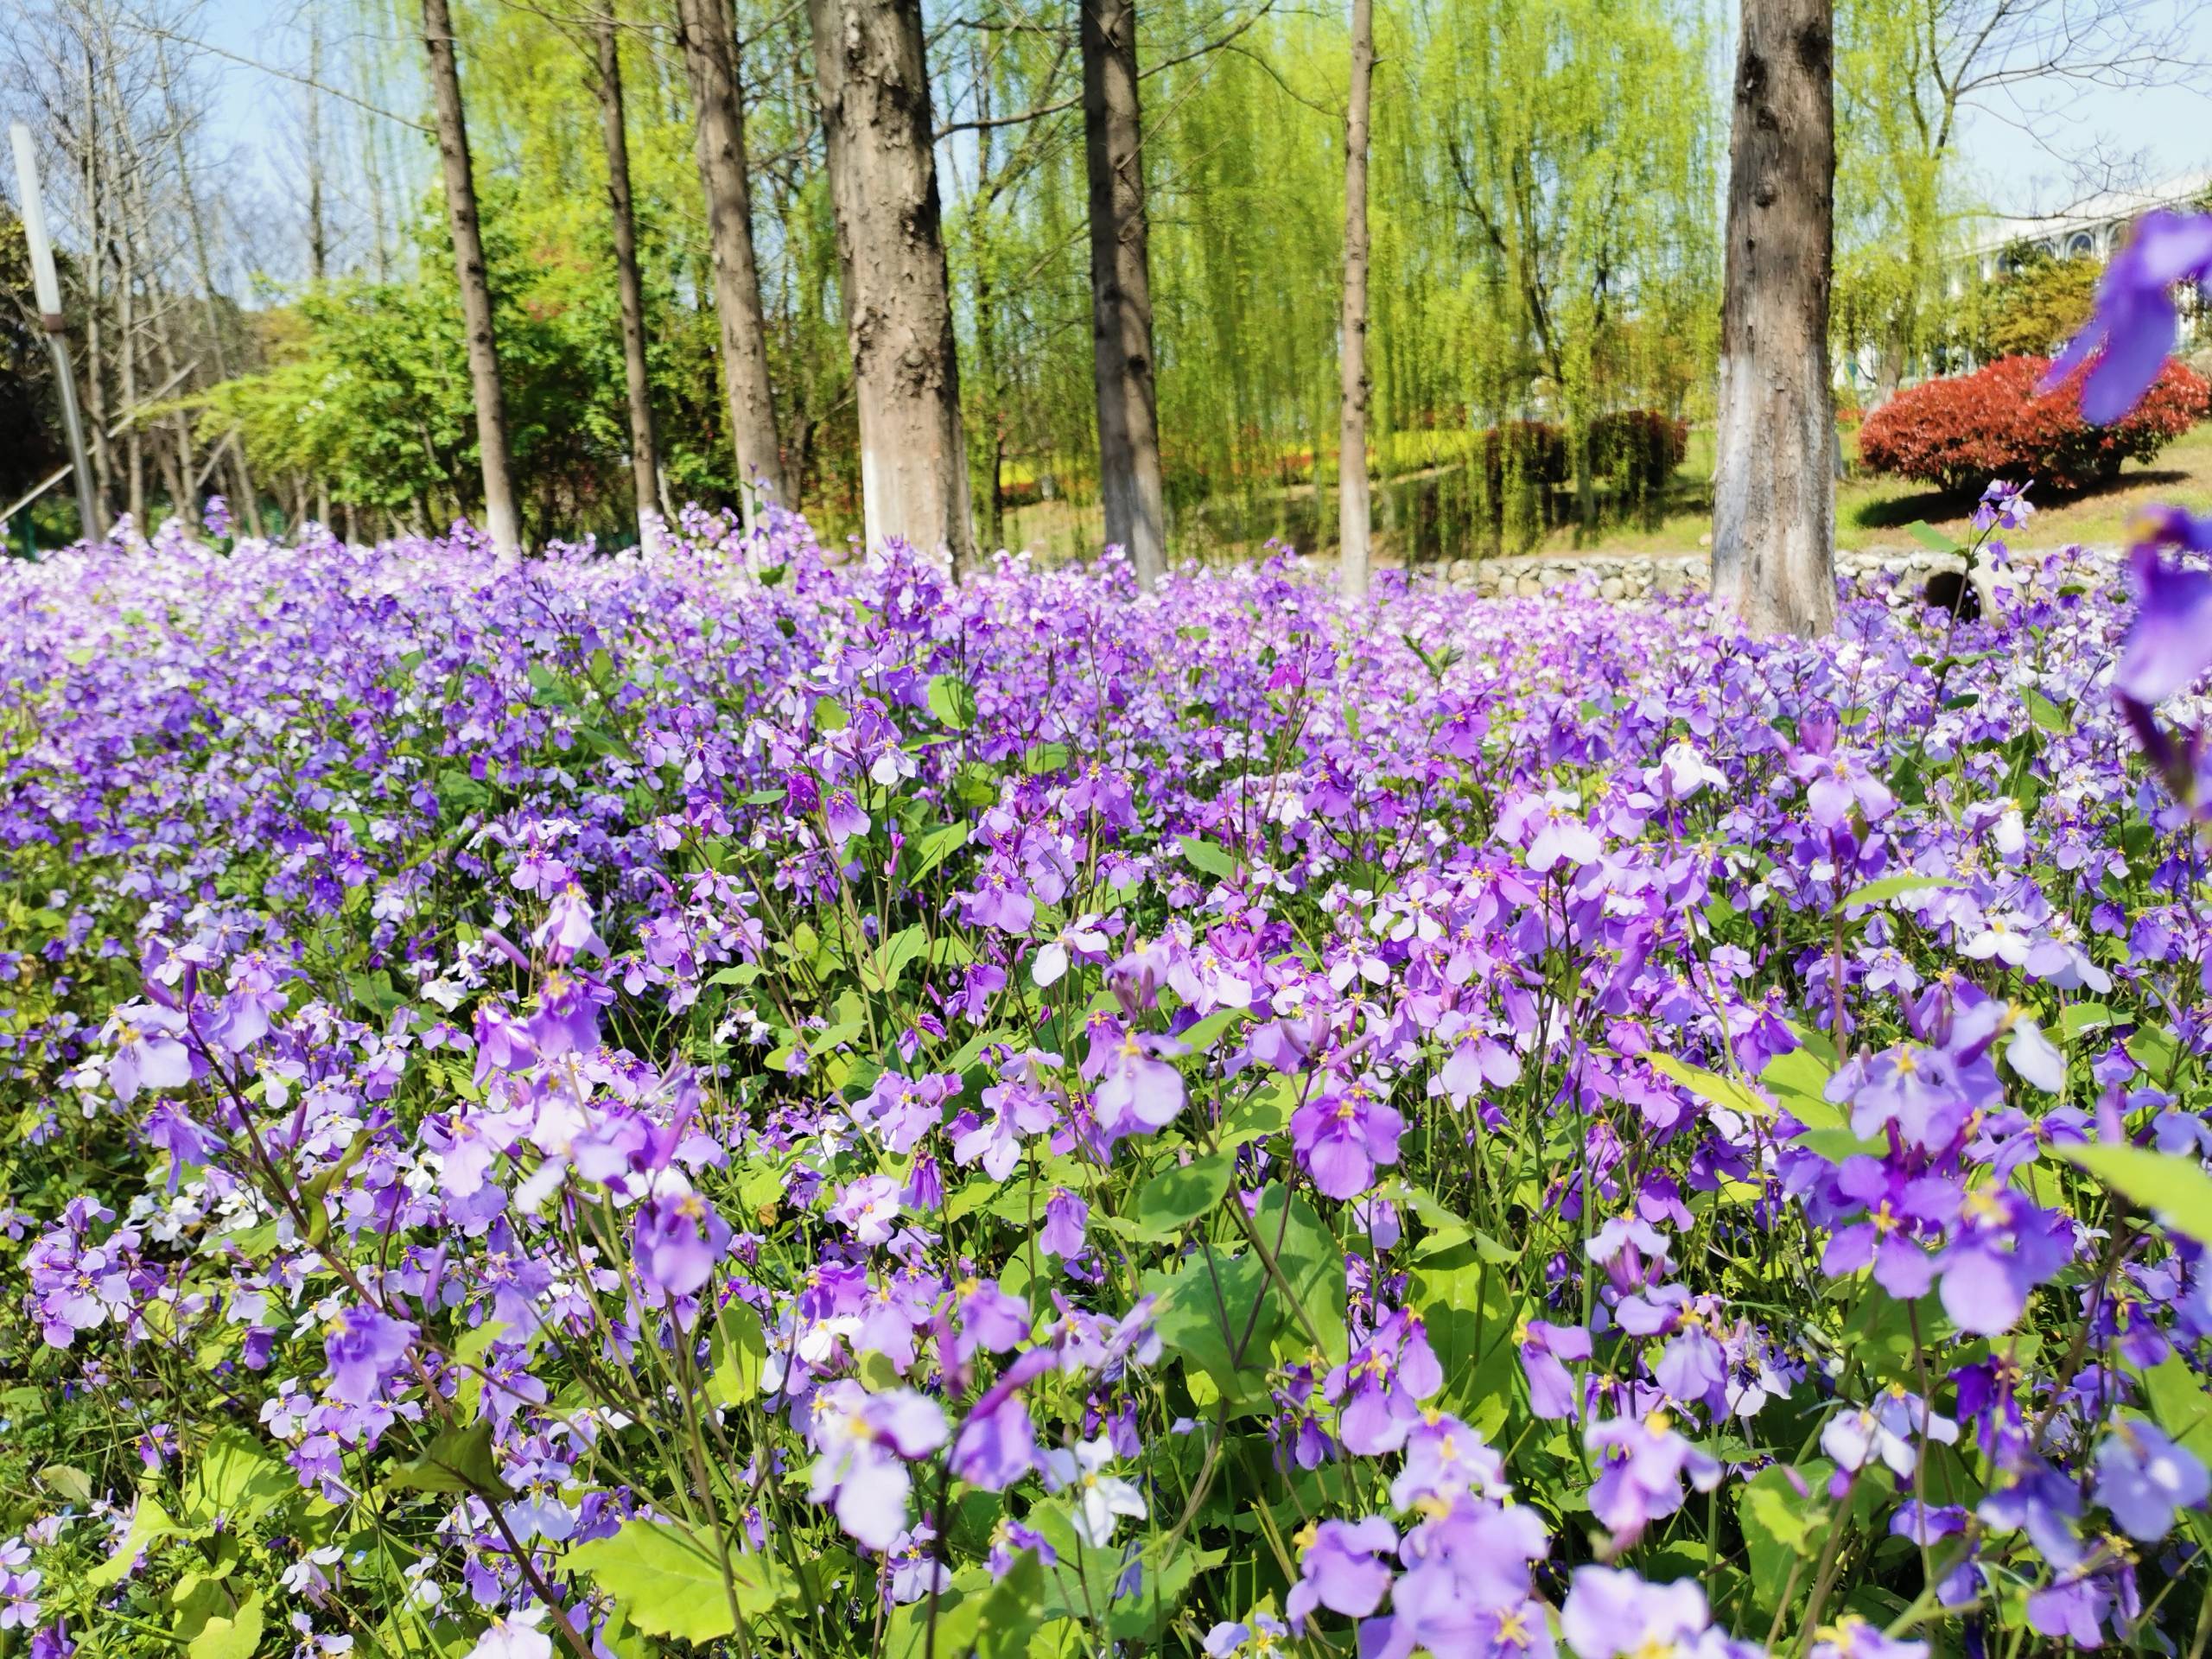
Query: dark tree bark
[[873, 81], [644, 450], [1120, 288], [499, 517], [711, 58], [1353, 505], [318, 228], [1774, 492]]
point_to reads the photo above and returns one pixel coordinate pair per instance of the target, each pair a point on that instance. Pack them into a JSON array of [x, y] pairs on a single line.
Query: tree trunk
[[500, 518], [711, 56], [1774, 494], [873, 81], [1353, 505], [245, 508], [644, 452], [1120, 288], [96, 304], [318, 234]]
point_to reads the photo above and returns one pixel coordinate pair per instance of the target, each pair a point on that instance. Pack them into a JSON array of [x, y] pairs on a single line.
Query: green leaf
[[1012, 1611], [458, 1460], [1930, 537], [1712, 1087], [235, 1637], [829, 716], [1782, 1529], [2172, 1185], [149, 1523], [234, 1477], [1200, 1036], [1471, 1311], [1208, 856], [882, 969], [2178, 1400], [953, 700], [737, 1350], [670, 1582], [2045, 713], [67, 1482], [1267, 1111], [1179, 1194], [1893, 887], [935, 848], [2077, 1020]]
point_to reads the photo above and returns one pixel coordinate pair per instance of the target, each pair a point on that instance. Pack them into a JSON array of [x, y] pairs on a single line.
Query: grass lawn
[[1870, 512], [1873, 511]]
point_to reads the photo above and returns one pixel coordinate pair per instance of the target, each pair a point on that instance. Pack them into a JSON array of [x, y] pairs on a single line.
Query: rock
[[1613, 587]]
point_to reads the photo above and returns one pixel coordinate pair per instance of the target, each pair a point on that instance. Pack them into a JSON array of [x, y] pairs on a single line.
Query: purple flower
[[865, 1441], [676, 1240], [1066, 1217], [1379, 1388], [1341, 1139], [1890, 1430], [1542, 1347], [1644, 1461], [1854, 1637], [2143, 1478], [2135, 321], [363, 1348], [2170, 642], [867, 1208], [147, 1053], [1137, 1089], [1611, 1611], [2002, 1247], [1446, 1460], [1337, 1569]]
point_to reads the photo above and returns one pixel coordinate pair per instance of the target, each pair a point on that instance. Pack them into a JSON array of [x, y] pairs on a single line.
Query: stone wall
[[1629, 575]]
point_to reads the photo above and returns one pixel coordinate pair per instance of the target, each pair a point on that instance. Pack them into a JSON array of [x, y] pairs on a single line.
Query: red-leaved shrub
[[1960, 433]]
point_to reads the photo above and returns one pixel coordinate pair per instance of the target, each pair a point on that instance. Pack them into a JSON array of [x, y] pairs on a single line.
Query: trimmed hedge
[[1960, 432]]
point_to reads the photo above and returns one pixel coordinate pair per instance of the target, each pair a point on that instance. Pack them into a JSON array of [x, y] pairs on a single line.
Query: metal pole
[[49, 288]]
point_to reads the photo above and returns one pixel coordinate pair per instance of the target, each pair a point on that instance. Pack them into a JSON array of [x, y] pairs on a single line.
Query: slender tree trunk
[[96, 308], [873, 81], [1120, 288], [710, 57], [500, 518], [1774, 492], [1353, 505], [126, 329], [244, 505], [644, 452], [318, 234]]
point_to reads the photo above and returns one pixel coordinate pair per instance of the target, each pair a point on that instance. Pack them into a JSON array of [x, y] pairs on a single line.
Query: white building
[[2094, 229]]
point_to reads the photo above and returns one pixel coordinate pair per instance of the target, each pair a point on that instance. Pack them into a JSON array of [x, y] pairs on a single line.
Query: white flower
[[1099, 1497], [1081, 934]]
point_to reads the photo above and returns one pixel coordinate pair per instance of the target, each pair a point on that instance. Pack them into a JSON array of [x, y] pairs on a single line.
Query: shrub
[[1959, 433], [1523, 451], [1639, 448]]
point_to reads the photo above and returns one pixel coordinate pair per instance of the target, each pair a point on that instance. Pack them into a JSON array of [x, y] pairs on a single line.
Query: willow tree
[[1573, 151]]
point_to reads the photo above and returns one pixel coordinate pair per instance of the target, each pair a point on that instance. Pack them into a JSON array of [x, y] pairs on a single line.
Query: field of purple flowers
[[763, 1100]]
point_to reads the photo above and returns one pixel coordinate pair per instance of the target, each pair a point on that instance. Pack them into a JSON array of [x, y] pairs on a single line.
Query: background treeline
[[1543, 290]]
